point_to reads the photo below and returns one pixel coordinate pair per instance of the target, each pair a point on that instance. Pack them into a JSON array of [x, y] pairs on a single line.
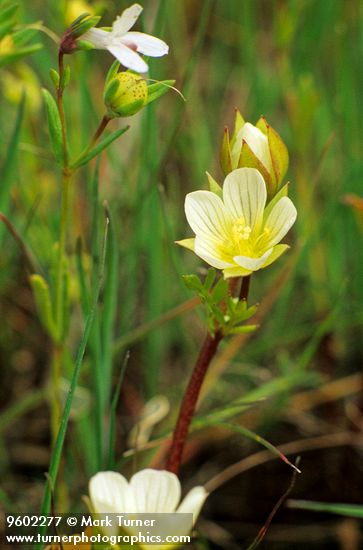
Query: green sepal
[[214, 186], [248, 159], [281, 193], [55, 126], [279, 154], [86, 22], [86, 157], [112, 72], [110, 90], [239, 122], [158, 89], [129, 110], [225, 154], [44, 305], [262, 125]]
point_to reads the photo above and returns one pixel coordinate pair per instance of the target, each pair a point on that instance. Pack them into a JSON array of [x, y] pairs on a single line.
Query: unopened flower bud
[[125, 94], [259, 147], [79, 27]]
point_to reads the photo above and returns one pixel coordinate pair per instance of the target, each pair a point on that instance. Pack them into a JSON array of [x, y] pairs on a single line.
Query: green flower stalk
[[259, 147]]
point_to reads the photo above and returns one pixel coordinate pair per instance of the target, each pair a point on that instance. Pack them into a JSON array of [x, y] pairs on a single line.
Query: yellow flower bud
[[259, 147], [125, 94]]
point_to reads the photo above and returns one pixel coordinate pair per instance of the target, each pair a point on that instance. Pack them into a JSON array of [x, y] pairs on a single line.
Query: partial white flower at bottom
[[123, 44], [237, 232], [148, 492]]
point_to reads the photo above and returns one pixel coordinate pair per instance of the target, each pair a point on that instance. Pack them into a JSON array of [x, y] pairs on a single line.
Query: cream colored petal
[[155, 491], [277, 251], [212, 252], [187, 243], [146, 44], [278, 223], [193, 502], [252, 264], [110, 494], [128, 58], [256, 140], [126, 20], [206, 215], [236, 272], [99, 38], [244, 196]]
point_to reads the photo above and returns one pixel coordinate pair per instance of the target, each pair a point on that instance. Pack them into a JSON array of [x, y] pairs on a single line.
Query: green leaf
[[349, 510], [7, 19], [258, 439], [209, 280], [66, 77], [58, 447], [245, 329], [44, 304], [220, 290], [54, 75], [55, 126], [192, 282], [86, 157], [13, 56]]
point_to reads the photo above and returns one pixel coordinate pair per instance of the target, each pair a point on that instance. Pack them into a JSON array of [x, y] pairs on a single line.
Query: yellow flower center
[[240, 230]]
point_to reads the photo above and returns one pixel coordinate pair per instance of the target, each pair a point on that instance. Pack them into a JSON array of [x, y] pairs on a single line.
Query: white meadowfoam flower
[[148, 492], [123, 44], [237, 233]]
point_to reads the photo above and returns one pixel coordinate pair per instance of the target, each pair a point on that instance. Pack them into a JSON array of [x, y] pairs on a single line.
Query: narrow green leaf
[[11, 57], [349, 510], [55, 126], [87, 156], [57, 451], [8, 168], [219, 291], [209, 280], [245, 329], [192, 282], [258, 439]]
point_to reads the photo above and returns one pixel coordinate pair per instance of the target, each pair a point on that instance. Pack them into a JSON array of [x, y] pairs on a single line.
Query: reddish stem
[[190, 401], [245, 287]]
